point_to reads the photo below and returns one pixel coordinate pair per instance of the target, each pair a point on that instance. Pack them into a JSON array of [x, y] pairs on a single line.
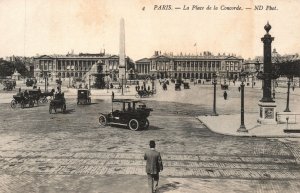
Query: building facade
[[201, 66], [75, 66]]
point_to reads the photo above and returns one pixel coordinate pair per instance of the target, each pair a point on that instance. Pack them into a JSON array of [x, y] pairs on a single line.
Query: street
[[74, 147]]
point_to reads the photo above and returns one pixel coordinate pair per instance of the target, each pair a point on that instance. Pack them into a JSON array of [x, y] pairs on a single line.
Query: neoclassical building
[[190, 66], [76, 66]]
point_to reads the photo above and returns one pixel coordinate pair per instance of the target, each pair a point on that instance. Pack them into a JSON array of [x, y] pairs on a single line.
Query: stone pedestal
[[267, 113]]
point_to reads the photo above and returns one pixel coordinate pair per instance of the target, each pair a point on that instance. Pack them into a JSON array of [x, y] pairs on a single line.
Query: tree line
[[7, 68]]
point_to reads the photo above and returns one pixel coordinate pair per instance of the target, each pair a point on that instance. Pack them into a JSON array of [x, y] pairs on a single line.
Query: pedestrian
[[254, 83], [293, 87], [39, 90], [225, 95], [153, 166], [239, 89], [112, 95]]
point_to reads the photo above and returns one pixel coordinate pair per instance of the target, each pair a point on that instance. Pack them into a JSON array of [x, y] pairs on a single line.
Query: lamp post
[[242, 126], [122, 84], [252, 80], [46, 82], [45, 75], [106, 76], [287, 109], [214, 104], [267, 106]]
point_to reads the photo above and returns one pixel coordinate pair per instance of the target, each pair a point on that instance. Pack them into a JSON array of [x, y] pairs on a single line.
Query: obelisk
[[122, 61]]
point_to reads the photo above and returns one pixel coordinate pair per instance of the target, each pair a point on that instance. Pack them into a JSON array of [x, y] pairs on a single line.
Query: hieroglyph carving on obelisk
[[122, 61]]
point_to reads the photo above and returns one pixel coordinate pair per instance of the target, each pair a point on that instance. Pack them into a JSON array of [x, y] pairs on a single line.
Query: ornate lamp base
[[242, 129], [267, 113]]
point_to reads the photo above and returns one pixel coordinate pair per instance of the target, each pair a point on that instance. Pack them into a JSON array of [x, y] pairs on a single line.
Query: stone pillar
[[267, 111]]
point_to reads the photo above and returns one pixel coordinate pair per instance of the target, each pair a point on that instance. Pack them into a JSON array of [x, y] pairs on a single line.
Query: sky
[[30, 27]]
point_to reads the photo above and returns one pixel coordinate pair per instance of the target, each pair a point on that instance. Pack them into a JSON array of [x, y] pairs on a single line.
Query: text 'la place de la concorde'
[[213, 7]]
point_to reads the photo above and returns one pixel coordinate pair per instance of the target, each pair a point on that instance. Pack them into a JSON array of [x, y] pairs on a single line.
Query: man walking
[[225, 95], [153, 166]]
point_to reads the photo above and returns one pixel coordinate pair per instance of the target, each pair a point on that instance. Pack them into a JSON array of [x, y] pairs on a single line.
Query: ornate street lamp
[[122, 84], [267, 106], [287, 109], [45, 76], [242, 126], [214, 104]]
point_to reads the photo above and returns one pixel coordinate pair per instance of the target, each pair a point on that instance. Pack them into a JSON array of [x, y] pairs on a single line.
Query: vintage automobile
[[22, 100], [186, 85], [83, 96], [134, 116], [59, 102], [177, 86]]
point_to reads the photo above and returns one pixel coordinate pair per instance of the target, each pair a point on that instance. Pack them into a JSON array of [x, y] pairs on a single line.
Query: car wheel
[[13, 104], [144, 123], [133, 124], [102, 120]]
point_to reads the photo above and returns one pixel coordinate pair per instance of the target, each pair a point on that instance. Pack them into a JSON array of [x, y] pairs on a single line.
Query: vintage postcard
[[134, 96]]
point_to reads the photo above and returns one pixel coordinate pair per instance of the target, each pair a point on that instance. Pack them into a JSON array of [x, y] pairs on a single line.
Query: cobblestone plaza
[[42, 152]]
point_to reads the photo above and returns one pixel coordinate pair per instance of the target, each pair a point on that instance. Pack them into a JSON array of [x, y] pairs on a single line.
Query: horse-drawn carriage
[[134, 116], [30, 82], [144, 93], [9, 85], [23, 100], [44, 96], [35, 95], [224, 86], [59, 102]]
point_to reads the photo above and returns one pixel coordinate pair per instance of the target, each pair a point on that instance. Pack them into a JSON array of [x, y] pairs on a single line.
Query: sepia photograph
[[149, 96]]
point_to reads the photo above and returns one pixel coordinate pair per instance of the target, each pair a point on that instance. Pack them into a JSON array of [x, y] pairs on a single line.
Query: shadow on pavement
[[168, 187], [79, 105], [69, 111], [153, 128]]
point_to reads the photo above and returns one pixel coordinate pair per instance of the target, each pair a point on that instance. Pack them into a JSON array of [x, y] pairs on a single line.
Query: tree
[[7, 68]]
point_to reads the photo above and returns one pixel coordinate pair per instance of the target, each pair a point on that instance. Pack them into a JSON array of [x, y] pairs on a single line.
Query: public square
[[70, 152]]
